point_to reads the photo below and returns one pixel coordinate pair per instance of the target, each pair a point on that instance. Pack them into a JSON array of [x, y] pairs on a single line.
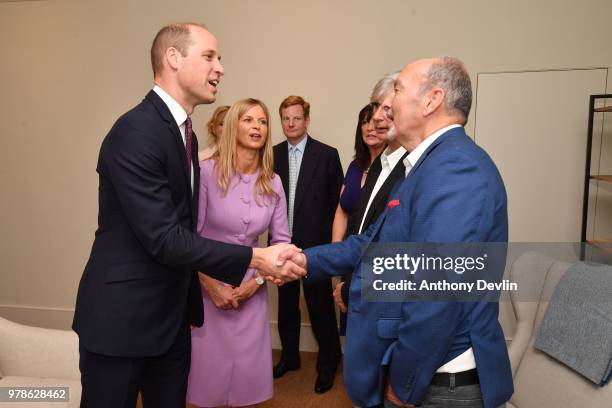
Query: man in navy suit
[[311, 173], [443, 353], [139, 291]]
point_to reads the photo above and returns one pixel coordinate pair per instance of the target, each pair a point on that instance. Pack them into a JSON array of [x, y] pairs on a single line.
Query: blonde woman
[[215, 127], [240, 198]]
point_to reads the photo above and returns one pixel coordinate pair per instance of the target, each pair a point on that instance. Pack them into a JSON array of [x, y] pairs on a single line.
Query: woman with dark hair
[[367, 147]]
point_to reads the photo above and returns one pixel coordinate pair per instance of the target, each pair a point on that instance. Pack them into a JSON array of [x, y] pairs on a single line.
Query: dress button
[[241, 237], [245, 200], [246, 179], [246, 220]]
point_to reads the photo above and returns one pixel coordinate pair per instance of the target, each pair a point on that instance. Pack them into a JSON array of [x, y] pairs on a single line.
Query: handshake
[[279, 263]]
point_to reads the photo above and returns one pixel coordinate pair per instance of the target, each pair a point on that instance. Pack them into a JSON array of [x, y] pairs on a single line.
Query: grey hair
[[383, 87], [450, 74]]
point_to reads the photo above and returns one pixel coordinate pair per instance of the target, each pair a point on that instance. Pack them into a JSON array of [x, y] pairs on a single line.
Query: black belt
[[462, 378]]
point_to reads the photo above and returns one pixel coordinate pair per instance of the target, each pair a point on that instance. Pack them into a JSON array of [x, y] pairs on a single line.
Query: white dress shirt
[[179, 115], [415, 155]]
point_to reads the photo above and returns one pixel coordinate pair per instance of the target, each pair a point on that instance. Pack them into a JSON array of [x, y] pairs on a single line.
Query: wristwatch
[[259, 280]]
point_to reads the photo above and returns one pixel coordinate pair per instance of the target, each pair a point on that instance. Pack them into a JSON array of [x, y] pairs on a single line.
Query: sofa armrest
[[38, 352]]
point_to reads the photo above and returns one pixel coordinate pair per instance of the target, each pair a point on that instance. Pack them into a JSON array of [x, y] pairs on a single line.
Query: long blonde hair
[[226, 156]]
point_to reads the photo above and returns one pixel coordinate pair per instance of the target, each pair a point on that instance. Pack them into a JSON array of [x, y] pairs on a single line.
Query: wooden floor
[[296, 388]]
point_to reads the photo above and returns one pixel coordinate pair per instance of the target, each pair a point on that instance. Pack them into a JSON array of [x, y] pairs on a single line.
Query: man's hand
[[390, 394], [338, 297], [221, 294], [294, 255], [275, 269]]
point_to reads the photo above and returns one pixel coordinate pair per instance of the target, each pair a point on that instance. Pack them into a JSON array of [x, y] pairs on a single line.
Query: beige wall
[[69, 68]]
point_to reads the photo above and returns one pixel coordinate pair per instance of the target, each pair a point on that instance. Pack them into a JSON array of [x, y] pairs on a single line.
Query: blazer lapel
[[164, 112], [381, 196], [370, 181], [196, 184], [309, 163], [282, 166]]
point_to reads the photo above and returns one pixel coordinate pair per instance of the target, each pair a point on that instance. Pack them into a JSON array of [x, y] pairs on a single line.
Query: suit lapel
[[164, 112], [282, 165], [381, 196], [196, 184], [370, 181], [309, 163]]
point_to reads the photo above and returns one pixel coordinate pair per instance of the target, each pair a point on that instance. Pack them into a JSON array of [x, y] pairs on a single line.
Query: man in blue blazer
[[139, 291], [427, 353]]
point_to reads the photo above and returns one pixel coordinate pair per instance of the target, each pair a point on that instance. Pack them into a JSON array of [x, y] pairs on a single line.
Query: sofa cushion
[[541, 381]]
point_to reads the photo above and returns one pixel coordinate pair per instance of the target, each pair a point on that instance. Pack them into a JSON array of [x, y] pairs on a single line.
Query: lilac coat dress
[[231, 358]]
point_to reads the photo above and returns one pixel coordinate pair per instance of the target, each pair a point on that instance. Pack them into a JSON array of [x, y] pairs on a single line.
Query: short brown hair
[[177, 35], [295, 100]]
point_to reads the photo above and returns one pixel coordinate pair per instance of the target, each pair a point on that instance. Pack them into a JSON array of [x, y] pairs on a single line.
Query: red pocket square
[[393, 203]]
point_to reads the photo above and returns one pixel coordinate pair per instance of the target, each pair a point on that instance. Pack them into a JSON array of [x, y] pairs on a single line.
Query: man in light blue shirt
[[312, 177]]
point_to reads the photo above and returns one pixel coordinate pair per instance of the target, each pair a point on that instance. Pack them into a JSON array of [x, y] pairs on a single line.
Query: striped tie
[[293, 175]]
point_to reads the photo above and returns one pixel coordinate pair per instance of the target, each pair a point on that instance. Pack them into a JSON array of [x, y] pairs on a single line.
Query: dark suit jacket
[[378, 206], [454, 193], [141, 277], [316, 193]]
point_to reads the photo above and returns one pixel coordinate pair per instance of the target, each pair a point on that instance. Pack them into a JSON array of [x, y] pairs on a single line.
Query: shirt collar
[[389, 160], [418, 151], [177, 111], [300, 146]]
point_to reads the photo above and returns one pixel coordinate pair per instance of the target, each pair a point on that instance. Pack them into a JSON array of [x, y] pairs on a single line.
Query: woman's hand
[[220, 293], [243, 292]]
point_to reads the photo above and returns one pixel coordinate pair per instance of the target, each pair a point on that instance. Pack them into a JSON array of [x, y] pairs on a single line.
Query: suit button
[[241, 237]]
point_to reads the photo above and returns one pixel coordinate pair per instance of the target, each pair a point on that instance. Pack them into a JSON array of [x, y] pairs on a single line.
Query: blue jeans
[[467, 396]]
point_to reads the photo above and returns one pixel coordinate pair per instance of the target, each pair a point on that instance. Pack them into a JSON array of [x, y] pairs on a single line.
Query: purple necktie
[[188, 140]]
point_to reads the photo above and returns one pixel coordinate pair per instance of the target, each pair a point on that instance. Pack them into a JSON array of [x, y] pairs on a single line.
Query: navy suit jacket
[[454, 193], [140, 283]]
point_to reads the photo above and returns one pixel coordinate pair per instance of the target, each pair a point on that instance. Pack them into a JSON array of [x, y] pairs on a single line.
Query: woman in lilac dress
[[240, 198]]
